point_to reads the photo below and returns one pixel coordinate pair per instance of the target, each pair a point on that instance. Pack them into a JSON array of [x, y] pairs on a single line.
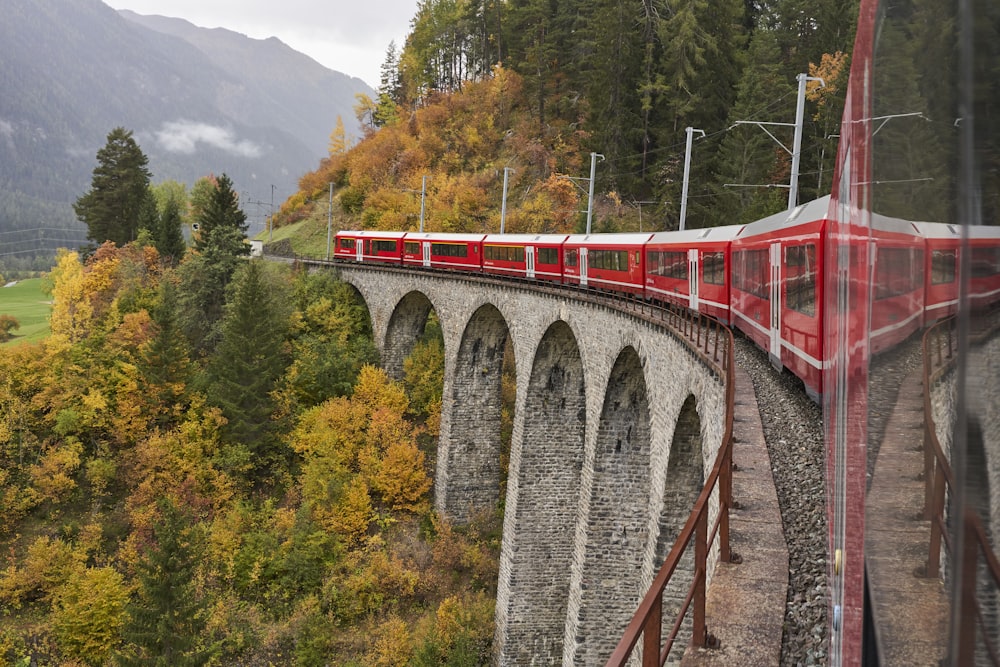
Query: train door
[[427, 253], [583, 266], [775, 348], [693, 278], [529, 257], [359, 250]]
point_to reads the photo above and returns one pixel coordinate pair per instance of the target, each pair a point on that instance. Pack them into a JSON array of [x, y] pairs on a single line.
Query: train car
[[984, 266], [460, 252], [538, 256], [369, 246], [612, 262], [897, 286], [691, 268], [776, 288], [941, 253]]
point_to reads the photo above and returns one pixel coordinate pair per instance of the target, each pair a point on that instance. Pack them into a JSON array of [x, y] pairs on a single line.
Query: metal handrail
[[647, 620], [939, 355], [701, 334]]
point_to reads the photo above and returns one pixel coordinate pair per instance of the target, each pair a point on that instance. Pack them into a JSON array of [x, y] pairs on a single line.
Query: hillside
[[198, 101]]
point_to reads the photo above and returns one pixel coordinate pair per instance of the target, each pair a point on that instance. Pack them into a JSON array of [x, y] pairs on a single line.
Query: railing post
[[966, 630], [929, 473], [651, 634], [725, 501], [698, 633], [934, 557]]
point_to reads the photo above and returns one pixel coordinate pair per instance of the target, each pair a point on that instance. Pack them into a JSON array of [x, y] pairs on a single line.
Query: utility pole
[[503, 203], [796, 150], [423, 195], [687, 172], [329, 222], [590, 197], [270, 226]]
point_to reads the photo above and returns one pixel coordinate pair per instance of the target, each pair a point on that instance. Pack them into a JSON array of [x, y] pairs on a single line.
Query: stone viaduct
[[616, 425]]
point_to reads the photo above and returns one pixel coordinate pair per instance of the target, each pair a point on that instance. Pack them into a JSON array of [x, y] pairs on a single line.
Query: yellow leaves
[[48, 564], [89, 613], [71, 309], [401, 479], [352, 513], [831, 69], [53, 475], [467, 614], [393, 644], [374, 390]]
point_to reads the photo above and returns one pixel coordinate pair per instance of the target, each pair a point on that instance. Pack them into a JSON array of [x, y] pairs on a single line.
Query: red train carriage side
[[984, 266], [691, 268], [897, 299], [369, 246], [611, 262], [941, 252], [462, 252], [776, 288], [537, 256]]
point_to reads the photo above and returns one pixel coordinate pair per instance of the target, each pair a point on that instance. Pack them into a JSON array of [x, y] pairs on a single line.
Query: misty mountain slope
[[73, 70], [263, 66]]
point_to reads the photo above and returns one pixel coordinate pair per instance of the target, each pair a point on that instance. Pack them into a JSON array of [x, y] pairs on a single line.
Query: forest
[[203, 464], [528, 89]]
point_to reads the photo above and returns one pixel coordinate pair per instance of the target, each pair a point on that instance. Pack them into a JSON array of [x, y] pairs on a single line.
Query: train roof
[[625, 239], [984, 232], [371, 233], [705, 234], [885, 223], [526, 238], [938, 230], [817, 209], [443, 236]]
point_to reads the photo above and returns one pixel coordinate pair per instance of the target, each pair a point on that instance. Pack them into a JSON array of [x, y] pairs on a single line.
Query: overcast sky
[[350, 36]]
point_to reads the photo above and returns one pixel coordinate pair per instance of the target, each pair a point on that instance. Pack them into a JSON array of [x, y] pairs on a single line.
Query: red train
[[766, 278]]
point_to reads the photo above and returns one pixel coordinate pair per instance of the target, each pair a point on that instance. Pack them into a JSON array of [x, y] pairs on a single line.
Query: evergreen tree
[[112, 208], [250, 359], [167, 619], [165, 364], [168, 238], [221, 243]]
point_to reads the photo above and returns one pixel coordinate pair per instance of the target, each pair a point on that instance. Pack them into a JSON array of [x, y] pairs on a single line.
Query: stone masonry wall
[[597, 405]]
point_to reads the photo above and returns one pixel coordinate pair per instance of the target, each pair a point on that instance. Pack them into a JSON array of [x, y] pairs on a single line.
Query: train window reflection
[[714, 268], [800, 279], [942, 267]]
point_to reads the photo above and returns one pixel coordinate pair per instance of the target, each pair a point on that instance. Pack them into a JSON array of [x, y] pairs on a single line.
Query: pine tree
[[166, 620], [165, 364], [112, 207], [221, 242], [168, 237], [249, 360]]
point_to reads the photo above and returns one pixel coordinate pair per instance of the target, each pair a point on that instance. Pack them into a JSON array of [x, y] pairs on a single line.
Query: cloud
[[183, 136]]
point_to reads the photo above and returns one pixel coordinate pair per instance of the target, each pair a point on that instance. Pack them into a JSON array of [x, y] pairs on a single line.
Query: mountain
[[198, 101]]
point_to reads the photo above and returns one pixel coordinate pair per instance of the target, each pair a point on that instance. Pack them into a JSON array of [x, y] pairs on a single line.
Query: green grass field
[[26, 302]]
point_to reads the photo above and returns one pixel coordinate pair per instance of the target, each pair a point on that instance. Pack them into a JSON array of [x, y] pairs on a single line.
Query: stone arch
[[548, 491], [471, 464], [617, 525], [684, 482], [406, 325]]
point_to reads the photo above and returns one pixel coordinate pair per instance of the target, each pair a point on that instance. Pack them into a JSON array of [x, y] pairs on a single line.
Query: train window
[[667, 264], [800, 279], [571, 257], [985, 262], [504, 253], [449, 249], [942, 267], [750, 272], [713, 268], [368, 246], [897, 272], [609, 260], [548, 255], [384, 246], [411, 248], [347, 244]]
